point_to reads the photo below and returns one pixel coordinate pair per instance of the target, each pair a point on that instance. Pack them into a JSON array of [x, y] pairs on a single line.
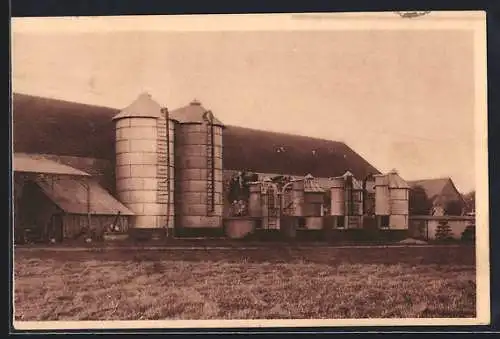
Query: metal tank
[[143, 160], [382, 195], [398, 199], [255, 200], [297, 198], [199, 183], [313, 202], [337, 207]]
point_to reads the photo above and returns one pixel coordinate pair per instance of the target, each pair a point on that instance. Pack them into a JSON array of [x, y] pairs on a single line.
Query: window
[[340, 221], [384, 221], [301, 223]]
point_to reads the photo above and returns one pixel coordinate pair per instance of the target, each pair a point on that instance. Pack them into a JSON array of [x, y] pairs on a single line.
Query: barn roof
[[43, 125], [271, 152]]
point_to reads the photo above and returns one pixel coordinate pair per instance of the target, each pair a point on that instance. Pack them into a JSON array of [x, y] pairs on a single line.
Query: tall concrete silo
[[199, 183], [143, 160]]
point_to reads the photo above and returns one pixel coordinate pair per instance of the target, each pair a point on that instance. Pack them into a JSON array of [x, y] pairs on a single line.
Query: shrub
[[443, 231]]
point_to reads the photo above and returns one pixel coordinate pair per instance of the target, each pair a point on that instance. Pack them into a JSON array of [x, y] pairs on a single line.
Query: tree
[[419, 203], [470, 201], [443, 231], [453, 207]]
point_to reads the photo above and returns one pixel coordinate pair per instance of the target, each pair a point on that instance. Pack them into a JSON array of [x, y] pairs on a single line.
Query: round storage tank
[[399, 201], [382, 201], [337, 196], [297, 197], [143, 160], [255, 200], [199, 189]]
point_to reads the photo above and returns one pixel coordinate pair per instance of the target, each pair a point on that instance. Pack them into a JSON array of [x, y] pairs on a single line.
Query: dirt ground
[[268, 282]]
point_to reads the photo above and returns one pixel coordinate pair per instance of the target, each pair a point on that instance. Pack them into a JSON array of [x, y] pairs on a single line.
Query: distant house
[[443, 194]]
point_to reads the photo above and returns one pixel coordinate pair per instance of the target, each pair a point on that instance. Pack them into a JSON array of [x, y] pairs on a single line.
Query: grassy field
[[273, 282]]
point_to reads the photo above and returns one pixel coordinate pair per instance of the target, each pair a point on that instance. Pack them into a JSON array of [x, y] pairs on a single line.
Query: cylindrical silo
[[297, 198], [337, 196], [142, 163], [382, 195], [199, 189], [255, 200], [399, 196]]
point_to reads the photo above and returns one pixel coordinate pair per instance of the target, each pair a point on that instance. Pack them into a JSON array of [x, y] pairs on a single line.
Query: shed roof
[[192, 114], [29, 163], [142, 107], [70, 195]]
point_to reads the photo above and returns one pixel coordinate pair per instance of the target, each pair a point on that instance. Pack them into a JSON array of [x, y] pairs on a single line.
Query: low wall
[[424, 227]]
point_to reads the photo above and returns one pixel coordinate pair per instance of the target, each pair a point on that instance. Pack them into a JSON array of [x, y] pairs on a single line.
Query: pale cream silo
[[143, 160], [398, 198], [199, 183], [255, 200], [391, 199], [337, 189], [382, 196]]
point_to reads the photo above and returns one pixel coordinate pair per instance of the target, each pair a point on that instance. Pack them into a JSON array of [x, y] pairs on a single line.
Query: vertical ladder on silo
[[271, 212], [210, 152], [162, 169]]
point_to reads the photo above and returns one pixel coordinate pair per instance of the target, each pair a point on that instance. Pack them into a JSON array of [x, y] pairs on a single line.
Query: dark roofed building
[[442, 192], [50, 126]]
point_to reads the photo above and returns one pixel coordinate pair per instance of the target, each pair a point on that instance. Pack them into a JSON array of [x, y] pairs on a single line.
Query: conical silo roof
[[395, 181], [194, 113], [311, 185], [356, 184], [142, 107]]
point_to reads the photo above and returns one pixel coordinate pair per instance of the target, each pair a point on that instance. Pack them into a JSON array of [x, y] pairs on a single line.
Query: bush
[[443, 231], [469, 234]]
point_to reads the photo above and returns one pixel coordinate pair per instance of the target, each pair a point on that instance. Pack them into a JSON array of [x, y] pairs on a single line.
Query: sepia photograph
[[277, 170]]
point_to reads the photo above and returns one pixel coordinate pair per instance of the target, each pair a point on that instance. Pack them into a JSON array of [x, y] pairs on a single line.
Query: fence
[[425, 227]]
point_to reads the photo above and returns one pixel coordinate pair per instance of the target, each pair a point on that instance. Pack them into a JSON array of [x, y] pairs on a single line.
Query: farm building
[[171, 170], [444, 197], [56, 201]]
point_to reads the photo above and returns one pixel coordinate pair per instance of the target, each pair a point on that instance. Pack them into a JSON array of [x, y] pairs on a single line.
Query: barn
[[71, 143]]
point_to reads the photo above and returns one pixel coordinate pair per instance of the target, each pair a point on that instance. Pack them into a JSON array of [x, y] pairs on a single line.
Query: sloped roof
[[71, 196], [192, 113], [53, 126], [393, 180], [143, 107], [270, 152], [28, 163], [440, 190], [43, 125], [433, 187]]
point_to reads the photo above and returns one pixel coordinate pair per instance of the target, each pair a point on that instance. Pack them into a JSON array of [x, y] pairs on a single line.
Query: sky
[[402, 99]]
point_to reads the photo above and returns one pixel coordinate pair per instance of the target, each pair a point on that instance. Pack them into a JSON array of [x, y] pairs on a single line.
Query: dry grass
[[156, 285]]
